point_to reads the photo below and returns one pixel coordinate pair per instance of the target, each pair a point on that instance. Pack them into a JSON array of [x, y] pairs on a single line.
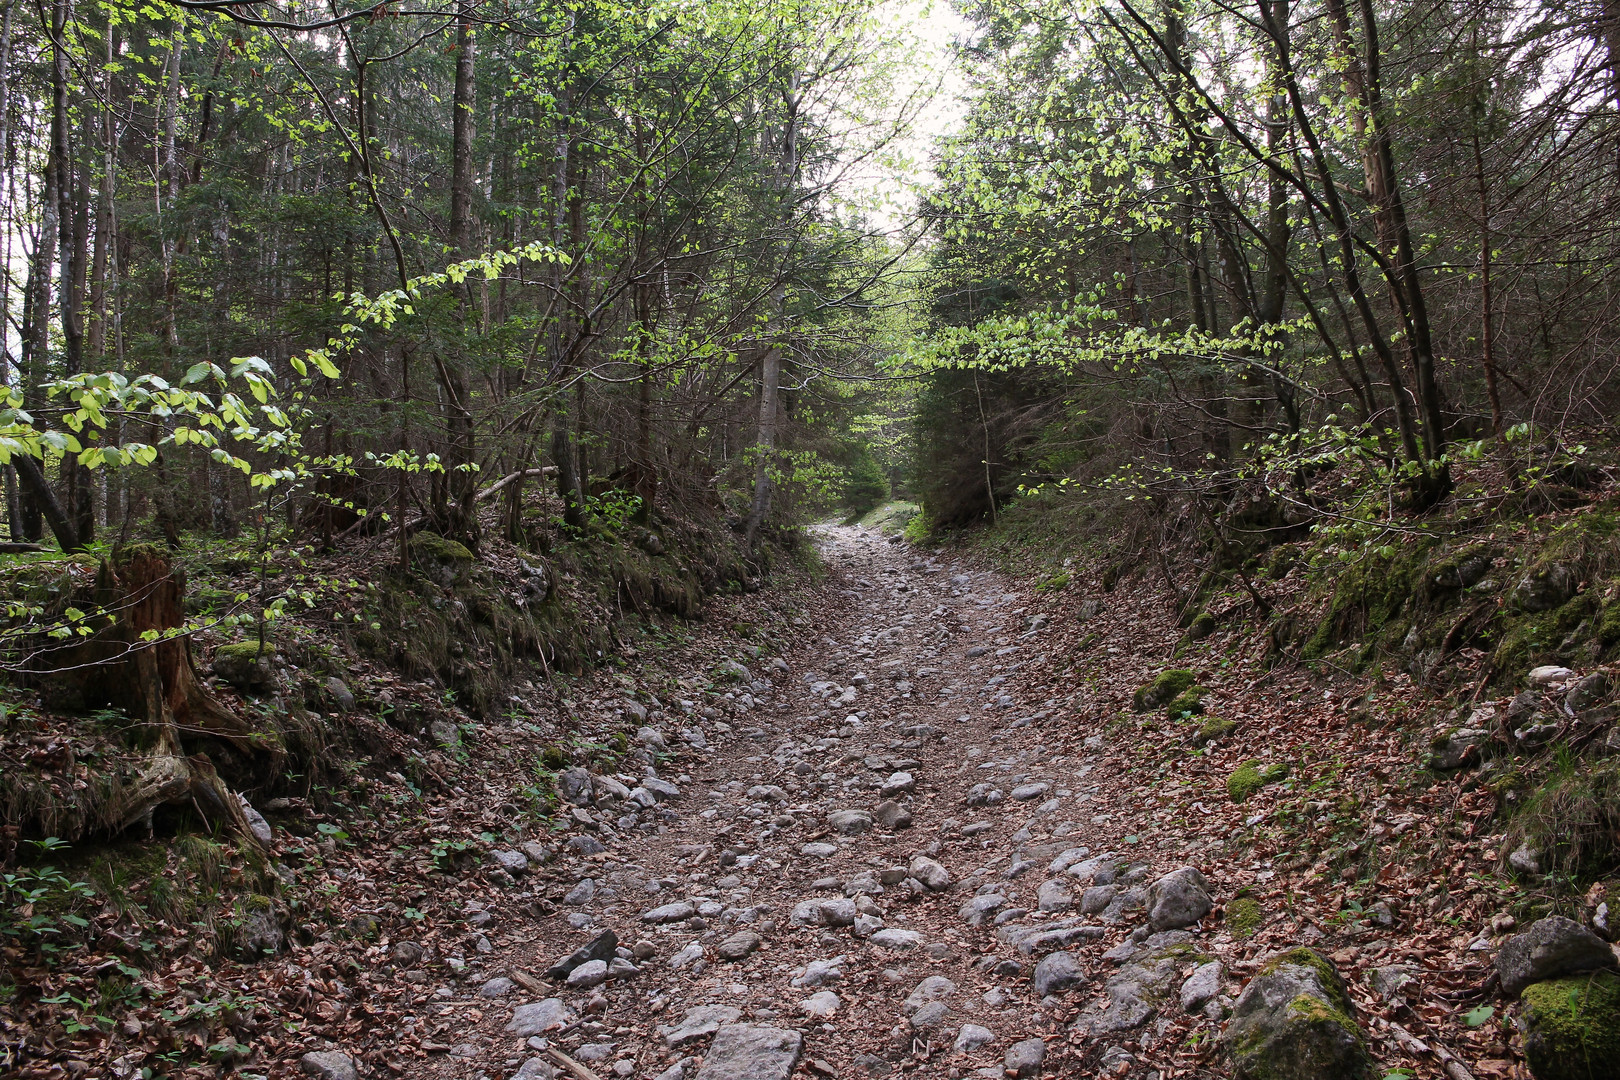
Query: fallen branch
[[1454, 1068], [578, 1071]]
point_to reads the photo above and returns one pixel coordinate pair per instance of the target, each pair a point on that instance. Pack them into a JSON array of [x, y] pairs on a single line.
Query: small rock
[[933, 876], [540, 1017], [818, 850], [1097, 898], [1178, 899], [1056, 973], [574, 786], [679, 911], [891, 815], [1525, 859], [1026, 792], [849, 822], [738, 946], [933, 988], [898, 783], [1202, 986], [977, 911], [821, 1005], [1549, 675], [896, 939], [585, 845], [1023, 1059], [971, 1037], [328, 1065], [496, 988], [581, 893], [590, 974], [513, 862], [1054, 895], [930, 1016], [602, 947], [1388, 981]]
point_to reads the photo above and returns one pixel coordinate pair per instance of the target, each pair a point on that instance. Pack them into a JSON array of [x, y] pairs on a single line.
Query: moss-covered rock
[[1295, 1021], [1163, 690], [1251, 776], [1571, 1027], [1188, 703], [445, 562], [1201, 627], [245, 666], [1243, 916], [1213, 728]]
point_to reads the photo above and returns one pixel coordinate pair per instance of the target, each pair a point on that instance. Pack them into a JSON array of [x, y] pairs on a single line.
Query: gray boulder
[[934, 988], [1054, 895], [747, 1052], [971, 1037], [1056, 973], [1178, 899], [1294, 1021], [1552, 947], [1135, 994], [980, 909], [891, 815], [1459, 748]]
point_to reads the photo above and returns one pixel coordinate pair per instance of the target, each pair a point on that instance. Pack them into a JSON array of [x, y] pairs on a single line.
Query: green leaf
[[1475, 1017]]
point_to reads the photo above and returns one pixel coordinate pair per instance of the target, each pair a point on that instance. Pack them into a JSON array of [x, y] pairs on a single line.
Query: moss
[[1162, 689], [1201, 627], [554, 758], [246, 651], [1053, 583], [1608, 625], [1213, 728], [1190, 702], [1572, 1027], [428, 545], [1251, 776], [1243, 916]]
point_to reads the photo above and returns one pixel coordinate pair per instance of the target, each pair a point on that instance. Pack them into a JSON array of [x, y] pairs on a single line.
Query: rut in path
[[848, 886]]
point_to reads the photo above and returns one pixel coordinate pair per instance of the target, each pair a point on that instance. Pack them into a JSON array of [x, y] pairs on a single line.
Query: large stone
[[1026, 792], [601, 947], [897, 784], [1459, 748], [849, 822], [513, 862], [1294, 1021], [540, 1017], [1097, 898], [747, 1052], [1571, 1028], [896, 939], [328, 1065], [699, 1023], [1552, 947], [1056, 973], [1178, 899], [590, 974]]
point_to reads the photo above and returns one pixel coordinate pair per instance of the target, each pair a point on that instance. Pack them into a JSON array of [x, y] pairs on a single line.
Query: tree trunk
[[771, 361]]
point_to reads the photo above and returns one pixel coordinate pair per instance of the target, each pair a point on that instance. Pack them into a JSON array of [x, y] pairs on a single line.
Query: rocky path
[[883, 866]]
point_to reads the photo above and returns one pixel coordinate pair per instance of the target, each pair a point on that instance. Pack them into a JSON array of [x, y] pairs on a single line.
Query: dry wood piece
[[1454, 1068]]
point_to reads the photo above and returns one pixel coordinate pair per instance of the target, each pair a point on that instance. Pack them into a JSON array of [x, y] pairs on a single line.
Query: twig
[[580, 1072], [1454, 1068], [527, 981]]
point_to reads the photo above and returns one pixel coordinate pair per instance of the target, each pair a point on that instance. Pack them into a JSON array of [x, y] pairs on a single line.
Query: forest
[[435, 434]]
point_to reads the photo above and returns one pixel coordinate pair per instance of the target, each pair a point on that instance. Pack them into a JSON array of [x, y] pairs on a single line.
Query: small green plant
[[37, 903]]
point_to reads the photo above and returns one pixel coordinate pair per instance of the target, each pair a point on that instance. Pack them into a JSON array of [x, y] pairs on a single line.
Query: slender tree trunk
[[771, 361]]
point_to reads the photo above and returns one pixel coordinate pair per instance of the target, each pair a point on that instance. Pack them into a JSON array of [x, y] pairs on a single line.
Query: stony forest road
[[889, 865]]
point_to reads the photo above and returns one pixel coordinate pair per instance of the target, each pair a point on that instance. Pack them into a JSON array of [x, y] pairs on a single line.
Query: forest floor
[[1007, 803]]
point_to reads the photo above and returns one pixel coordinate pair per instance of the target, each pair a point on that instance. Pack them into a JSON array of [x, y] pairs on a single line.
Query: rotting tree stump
[[136, 665]]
